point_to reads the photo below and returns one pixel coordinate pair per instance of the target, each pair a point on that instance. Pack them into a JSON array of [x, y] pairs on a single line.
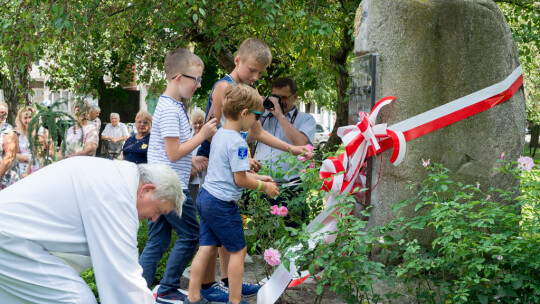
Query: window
[[319, 129]]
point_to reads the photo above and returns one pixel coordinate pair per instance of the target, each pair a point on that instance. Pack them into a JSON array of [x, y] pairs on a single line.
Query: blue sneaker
[[173, 297], [216, 293], [249, 290], [241, 302], [201, 301]]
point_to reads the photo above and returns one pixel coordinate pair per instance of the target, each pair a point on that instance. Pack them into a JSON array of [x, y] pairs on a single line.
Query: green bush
[[484, 250], [486, 247]]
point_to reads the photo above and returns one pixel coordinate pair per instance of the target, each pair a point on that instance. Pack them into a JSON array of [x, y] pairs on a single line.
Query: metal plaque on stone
[[362, 91]]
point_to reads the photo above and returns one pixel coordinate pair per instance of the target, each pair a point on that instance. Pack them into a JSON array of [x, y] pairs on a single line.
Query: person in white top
[[78, 213], [82, 138], [114, 136], [115, 131], [24, 155], [93, 117]]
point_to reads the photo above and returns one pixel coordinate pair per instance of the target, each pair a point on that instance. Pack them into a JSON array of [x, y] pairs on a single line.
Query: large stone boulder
[[432, 52]]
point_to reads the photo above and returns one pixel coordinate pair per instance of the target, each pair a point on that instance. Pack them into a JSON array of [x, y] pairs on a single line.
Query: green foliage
[[56, 122], [90, 279], [264, 229], [484, 241], [485, 249], [523, 17]]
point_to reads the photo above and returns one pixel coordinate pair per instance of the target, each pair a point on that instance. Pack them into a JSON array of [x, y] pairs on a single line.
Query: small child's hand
[[254, 164], [199, 163], [265, 178], [209, 128], [271, 189]]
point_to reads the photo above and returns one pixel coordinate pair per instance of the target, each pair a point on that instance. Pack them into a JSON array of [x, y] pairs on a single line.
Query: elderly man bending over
[[75, 214]]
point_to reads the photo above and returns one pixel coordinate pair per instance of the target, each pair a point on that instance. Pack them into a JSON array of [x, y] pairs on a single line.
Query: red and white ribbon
[[365, 139]]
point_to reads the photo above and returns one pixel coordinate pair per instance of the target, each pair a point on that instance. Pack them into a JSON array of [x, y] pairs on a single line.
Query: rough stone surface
[[432, 52]]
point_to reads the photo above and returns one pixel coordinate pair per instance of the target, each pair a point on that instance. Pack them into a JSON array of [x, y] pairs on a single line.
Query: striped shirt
[[170, 120]]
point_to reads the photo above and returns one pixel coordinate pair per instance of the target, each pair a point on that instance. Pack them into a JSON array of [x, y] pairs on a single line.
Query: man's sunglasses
[[257, 114], [197, 79]]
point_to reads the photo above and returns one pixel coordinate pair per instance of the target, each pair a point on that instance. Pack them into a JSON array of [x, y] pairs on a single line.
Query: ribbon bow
[[360, 140]]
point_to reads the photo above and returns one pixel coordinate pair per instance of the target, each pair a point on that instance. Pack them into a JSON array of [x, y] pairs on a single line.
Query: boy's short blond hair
[[239, 97], [256, 49], [179, 61]]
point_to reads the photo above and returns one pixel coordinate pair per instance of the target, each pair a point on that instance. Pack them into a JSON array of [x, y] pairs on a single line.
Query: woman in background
[[82, 138], [24, 155], [136, 147], [9, 145], [196, 178]]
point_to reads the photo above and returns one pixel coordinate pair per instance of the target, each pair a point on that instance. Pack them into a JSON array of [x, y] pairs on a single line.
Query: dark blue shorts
[[220, 222]]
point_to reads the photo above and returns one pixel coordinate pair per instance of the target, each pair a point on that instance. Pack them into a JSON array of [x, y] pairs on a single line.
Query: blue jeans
[[159, 237]]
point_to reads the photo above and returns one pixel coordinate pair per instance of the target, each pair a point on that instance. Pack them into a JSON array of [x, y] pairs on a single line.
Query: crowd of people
[[208, 155]]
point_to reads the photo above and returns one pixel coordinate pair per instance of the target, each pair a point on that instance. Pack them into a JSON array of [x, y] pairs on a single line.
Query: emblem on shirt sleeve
[[242, 152], [144, 146]]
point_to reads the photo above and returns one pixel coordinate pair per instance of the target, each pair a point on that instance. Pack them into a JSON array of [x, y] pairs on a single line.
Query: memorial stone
[[430, 53]]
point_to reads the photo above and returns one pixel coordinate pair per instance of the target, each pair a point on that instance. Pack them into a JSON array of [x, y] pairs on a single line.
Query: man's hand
[[270, 189], [277, 111], [209, 128], [200, 163], [254, 164], [297, 150]]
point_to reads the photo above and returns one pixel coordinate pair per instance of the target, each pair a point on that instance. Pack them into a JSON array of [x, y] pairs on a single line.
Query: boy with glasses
[[171, 143]]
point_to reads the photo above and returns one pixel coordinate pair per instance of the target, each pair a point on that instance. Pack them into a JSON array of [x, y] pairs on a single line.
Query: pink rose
[[282, 211], [425, 163], [275, 209], [272, 257], [502, 156], [312, 165], [525, 163], [301, 158], [310, 147]]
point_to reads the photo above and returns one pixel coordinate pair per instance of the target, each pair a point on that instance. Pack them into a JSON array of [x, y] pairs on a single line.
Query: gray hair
[[168, 186], [197, 112], [115, 115], [95, 108]]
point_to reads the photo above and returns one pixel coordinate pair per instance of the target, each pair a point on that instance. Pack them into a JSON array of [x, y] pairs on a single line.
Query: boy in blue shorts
[[252, 58], [228, 174], [171, 143]]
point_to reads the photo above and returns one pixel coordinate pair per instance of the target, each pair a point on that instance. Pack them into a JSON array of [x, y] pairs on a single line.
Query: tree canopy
[[311, 41]]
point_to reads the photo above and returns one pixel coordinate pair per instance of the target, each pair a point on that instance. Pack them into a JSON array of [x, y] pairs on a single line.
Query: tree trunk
[[339, 63], [535, 136], [15, 87]]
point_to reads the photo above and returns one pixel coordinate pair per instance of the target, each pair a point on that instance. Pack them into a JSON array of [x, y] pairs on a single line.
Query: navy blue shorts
[[220, 222]]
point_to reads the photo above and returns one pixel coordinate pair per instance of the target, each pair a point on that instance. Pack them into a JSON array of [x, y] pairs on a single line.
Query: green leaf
[[195, 17], [482, 298]]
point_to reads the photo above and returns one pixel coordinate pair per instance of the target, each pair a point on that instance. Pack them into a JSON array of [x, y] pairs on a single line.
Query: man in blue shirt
[[289, 125]]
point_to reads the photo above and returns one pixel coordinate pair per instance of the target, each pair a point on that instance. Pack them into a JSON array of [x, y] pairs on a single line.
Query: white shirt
[[119, 131], [228, 154], [83, 206]]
